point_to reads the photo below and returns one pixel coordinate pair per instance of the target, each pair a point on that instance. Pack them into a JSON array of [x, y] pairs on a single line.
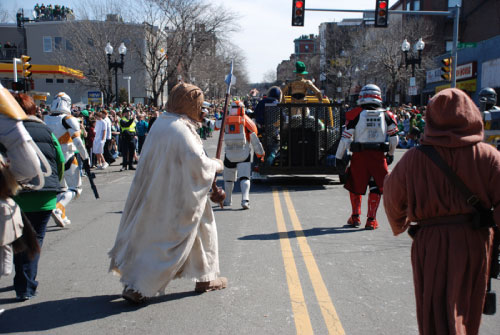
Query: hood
[[452, 120], [186, 99]]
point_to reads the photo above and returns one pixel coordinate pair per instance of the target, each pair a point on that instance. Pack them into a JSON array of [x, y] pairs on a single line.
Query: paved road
[[291, 264]]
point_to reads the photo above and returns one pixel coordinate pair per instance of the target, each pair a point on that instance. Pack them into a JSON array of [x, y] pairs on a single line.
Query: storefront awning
[[41, 71]]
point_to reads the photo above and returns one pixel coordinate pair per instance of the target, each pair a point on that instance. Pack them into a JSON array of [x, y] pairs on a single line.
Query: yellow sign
[[466, 85], [40, 97]]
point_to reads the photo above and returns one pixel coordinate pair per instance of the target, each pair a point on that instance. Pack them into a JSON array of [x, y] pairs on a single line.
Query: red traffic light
[[298, 12], [382, 5]]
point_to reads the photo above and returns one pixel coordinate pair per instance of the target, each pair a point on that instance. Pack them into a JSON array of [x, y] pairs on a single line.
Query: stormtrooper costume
[[240, 132], [67, 130], [367, 128]]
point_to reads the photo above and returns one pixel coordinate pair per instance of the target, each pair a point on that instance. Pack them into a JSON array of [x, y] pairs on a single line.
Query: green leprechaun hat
[[300, 68]]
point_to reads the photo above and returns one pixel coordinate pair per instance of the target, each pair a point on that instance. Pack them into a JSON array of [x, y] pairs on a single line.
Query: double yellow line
[[299, 307]]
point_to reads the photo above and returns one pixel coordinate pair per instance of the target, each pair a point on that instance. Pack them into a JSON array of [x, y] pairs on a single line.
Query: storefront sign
[[466, 85], [466, 71]]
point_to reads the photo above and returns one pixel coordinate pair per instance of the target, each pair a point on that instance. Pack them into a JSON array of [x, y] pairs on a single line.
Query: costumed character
[[491, 116], [240, 132], [365, 133], [168, 229], [451, 249], [67, 130], [271, 130], [298, 88], [22, 153]]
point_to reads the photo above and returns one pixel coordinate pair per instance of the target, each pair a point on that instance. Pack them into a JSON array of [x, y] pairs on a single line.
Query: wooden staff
[[218, 195]]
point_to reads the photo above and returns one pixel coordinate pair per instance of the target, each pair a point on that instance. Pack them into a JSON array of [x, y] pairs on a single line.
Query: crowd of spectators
[[93, 120], [52, 13], [411, 123]]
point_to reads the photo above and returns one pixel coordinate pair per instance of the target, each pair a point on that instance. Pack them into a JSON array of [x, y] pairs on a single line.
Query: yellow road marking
[[299, 308], [330, 316]]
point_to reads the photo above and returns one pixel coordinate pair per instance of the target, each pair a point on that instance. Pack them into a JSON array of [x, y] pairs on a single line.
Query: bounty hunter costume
[[240, 132], [298, 89], [367, 127], [67, 130], [491, 116]]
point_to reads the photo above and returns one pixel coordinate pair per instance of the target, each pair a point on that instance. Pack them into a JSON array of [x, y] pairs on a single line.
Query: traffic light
[[298, 7], [446, 69], [381, 13], [26, 66]]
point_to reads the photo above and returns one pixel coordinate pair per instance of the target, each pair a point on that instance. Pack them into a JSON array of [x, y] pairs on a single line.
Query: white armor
[[371, 128], [67, 130], [239, 134], [22, 152]]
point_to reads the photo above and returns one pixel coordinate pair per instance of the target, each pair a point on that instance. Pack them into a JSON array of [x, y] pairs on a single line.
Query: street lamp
[[339, 87], [412, 60], [122, 50], [127, 78]]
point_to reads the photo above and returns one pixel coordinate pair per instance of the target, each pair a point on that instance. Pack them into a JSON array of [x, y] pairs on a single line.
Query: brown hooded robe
[[450, 261]]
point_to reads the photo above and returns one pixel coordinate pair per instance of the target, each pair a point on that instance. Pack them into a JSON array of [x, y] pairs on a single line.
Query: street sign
[[412, 90], [466, 45], [94, 97], [413, 81]]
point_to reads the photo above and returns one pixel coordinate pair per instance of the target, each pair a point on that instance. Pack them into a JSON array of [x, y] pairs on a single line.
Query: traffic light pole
[[455, 12]]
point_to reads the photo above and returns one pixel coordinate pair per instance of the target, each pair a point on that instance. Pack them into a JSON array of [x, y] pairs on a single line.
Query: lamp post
[[412, 60], [339, 87], [127, 78], [122, 50]]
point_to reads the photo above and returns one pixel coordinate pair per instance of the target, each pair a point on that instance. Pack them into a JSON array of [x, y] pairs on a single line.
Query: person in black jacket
[[37, 205]]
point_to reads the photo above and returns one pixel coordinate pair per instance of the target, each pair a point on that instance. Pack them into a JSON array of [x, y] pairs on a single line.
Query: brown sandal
[[213, 285]]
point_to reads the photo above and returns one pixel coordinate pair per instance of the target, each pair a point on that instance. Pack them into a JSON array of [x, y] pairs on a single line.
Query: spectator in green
[[37, 205]]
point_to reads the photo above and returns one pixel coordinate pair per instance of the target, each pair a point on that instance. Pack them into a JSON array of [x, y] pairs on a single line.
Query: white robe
[[167, 229]]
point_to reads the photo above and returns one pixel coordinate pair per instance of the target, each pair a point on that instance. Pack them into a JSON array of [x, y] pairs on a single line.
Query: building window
[[60, 81], [47, 44], [71, 81], [57, 43], [49, 81], [416, 5], [306, 48], [69, 46]]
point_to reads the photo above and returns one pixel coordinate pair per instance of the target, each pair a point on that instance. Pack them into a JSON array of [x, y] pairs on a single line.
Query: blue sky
[[266, 35]]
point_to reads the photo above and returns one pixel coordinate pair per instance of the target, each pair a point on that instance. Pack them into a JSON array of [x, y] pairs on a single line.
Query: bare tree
[[385, 66], [361, 55], [195, 27], [269, 76], [88, 37]]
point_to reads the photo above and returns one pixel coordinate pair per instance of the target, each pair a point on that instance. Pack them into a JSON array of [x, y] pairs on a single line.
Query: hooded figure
[[168, 229], [449, 256]]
